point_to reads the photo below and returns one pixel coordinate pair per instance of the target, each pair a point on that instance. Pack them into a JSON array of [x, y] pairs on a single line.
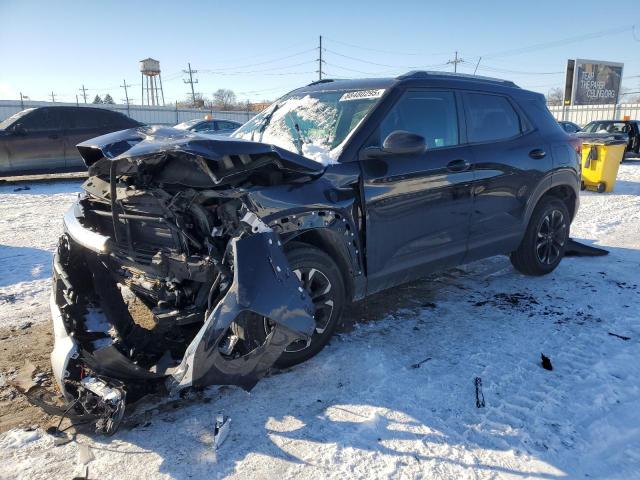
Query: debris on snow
[[417, 365], [622, 337], [479, 394], [220, 430], [546, 362]]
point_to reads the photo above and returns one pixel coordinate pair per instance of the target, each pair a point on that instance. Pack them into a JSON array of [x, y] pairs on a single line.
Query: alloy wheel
[[551, 237]]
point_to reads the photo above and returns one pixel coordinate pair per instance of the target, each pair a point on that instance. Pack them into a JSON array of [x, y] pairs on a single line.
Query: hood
[[220, 158]]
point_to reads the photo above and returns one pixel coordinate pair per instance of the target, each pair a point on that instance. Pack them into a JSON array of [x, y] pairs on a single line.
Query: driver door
[[417, 205], [37, 143]]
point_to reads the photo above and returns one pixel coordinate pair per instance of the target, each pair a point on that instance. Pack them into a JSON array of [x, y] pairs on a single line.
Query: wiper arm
[[299, 140], [265, 122]]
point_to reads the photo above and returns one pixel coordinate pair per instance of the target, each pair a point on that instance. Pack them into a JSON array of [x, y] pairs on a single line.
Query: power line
[[565, 41], [383, 51]]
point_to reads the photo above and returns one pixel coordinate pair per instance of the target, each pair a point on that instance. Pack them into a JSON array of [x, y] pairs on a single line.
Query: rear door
[[511, 158], [38, 144], [417, 205]]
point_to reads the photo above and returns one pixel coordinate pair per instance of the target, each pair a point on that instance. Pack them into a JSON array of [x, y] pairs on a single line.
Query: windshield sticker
[[361, 95]]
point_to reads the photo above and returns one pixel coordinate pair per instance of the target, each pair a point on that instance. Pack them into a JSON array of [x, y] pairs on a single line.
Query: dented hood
[[220, 157]]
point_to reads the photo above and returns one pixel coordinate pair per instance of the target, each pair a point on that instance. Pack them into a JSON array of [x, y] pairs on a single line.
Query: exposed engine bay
[[165, 262]]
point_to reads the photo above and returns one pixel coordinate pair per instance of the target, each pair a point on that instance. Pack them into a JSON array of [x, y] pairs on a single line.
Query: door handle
[[459, 165], [537, 154]]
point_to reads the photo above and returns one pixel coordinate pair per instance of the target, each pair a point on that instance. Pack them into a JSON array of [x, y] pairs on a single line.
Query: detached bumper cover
[[265, 285]]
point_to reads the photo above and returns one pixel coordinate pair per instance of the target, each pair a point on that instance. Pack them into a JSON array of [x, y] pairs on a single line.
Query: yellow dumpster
[[600, 161]]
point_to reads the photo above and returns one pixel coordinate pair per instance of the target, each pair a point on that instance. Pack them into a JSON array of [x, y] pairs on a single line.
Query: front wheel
[[545, 240], [322, 279]]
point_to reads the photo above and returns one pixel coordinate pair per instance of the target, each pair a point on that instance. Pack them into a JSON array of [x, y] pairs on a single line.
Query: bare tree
[[555, 96], [224, 99]]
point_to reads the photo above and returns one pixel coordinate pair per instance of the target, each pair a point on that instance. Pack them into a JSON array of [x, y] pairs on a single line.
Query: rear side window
[[430, 114], [222, 125], [490, 117]]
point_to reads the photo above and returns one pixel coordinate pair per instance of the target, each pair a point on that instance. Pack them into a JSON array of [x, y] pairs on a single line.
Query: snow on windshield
[[314, 125]]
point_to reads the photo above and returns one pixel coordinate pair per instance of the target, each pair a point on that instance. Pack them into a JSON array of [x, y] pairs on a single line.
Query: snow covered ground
[[394, 397]]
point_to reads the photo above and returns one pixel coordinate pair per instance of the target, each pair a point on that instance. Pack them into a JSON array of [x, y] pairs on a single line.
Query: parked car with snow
[[44, 139], [628, 130], [190, 261], [215, 127]]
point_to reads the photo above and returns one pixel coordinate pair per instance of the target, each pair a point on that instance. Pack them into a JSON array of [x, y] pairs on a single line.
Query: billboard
[[594, 82]]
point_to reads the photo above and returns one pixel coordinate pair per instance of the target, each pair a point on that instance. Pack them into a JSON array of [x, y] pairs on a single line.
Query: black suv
[[192, 261], [44, 139]]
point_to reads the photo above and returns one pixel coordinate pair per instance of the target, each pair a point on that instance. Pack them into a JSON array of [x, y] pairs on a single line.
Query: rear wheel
[[545, 240]]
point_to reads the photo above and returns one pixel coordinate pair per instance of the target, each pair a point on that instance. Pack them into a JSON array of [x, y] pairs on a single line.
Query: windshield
[[314, 124], [8, 121], [188, 124]]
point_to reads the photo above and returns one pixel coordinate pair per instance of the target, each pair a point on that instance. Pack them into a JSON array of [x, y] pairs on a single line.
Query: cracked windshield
[[312, 124]]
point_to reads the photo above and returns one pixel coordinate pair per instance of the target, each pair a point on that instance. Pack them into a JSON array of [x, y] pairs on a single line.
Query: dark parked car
[[191, 261], [216, 127], [569, 127], [44, 139], [623, 129]]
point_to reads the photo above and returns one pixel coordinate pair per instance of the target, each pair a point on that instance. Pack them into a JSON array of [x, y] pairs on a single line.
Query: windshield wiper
[[299, 141], [265, 123]]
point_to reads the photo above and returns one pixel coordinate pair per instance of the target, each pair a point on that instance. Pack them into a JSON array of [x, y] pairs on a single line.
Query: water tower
[[150, 69]]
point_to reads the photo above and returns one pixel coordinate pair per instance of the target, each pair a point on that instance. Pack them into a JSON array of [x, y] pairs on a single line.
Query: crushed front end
[[161, 266]]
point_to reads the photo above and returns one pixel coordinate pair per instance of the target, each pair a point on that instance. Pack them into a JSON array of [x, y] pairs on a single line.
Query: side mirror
[[398, 142], [18, 129]]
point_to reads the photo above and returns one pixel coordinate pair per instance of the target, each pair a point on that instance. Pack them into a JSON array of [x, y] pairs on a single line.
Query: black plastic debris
[[622, 337], [417, 365], [546, 362], [577, 249], [479, 394], [20, 189]]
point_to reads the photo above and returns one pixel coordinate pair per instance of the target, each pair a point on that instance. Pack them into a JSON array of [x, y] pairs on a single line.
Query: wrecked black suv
[[190, 261]]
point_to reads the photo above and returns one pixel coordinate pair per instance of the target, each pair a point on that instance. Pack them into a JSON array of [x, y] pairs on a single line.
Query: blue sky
[[263, 49]]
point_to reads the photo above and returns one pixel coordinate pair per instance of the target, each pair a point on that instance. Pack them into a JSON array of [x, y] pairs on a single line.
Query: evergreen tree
[[97, 99], [108, 99]]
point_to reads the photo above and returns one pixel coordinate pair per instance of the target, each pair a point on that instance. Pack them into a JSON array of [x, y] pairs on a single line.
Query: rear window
[[490, 117]]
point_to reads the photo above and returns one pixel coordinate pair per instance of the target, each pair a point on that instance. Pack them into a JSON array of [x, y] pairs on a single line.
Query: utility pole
[[320, 61], [477, 65], [455, 62], [126, 93], [191, 81], [22, 99], [53, 97], [84, 93], [77, 103]]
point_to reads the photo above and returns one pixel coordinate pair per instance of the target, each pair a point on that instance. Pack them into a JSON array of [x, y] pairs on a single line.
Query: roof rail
[[463, 76], [322, 80]]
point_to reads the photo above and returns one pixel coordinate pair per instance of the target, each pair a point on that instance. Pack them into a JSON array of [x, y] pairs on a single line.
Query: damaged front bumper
[[97, 360]]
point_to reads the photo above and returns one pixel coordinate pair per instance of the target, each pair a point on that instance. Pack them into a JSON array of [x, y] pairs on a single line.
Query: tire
[[545, 239], [601, 187], [583, 186], [317, 271]]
